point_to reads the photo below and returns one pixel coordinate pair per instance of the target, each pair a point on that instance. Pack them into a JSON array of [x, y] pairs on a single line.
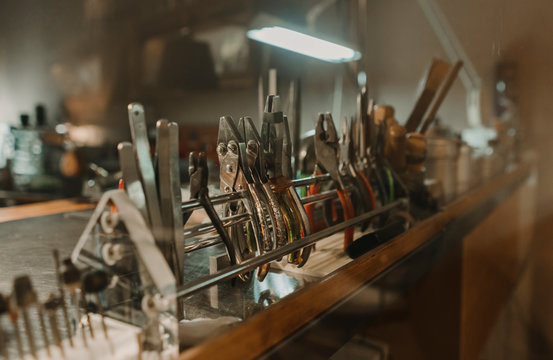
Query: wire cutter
[[232, 179], [198, 171], [327, 151]]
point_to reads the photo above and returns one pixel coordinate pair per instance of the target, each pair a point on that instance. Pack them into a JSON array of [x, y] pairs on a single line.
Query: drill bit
[[95, 282], [24, 297], [4, 307], [43, 329], [71, 277], [51, 305], [62, 298], [13, 319]]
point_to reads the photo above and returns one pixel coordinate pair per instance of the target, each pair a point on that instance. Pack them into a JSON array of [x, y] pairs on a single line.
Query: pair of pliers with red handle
[[327, 150], [362, 142], [349, 169]]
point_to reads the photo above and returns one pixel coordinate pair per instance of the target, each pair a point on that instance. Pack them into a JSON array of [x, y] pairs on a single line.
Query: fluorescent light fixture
[[304, 44]]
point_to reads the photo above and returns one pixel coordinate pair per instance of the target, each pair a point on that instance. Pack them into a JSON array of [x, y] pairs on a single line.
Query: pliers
[[198, 171], [327, 151], [275, 137], [255, 172], [251, 163], [370, 157], [233, 179], [348, 168], [299, 209]]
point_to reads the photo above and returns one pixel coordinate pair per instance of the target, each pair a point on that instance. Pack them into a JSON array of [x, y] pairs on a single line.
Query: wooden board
[[451, 312], [40, 209], [492, 261]]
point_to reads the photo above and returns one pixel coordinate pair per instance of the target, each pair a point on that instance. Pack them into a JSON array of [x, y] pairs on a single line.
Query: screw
[[221, 149], [233, 147]]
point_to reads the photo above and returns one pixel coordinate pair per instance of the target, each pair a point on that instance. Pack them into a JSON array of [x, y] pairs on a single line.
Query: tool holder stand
[[141, 276]]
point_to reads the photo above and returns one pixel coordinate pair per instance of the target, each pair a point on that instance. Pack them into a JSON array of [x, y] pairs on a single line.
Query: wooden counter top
[[269, 328], [41, 208]]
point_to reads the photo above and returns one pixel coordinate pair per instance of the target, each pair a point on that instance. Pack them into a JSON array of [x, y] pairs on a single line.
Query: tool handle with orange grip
[[349, 213], [368, 186]]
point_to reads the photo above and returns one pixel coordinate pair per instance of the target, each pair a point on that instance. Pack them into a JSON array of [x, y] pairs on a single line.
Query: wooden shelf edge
[[255, 335]]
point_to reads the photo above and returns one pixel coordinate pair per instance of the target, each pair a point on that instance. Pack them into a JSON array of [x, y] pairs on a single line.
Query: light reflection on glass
[[278, 284]]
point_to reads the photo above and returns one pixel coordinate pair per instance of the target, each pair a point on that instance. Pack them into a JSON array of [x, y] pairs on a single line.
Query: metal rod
[[331, 194], [310, 180], [43, 329], [207, 228], [62, 297], [215, 200], [210, 241], [235, 270], [223, 198], [326, 195]]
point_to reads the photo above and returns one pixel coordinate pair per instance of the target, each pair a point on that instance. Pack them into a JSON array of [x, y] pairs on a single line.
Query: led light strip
[[304, 44]]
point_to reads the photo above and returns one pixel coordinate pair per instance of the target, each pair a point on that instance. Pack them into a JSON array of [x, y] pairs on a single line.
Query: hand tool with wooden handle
[[444, 89], [416, 152], [395, 147], [428, 87]]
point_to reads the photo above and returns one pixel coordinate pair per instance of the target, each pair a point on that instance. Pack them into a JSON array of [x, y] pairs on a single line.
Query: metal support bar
[[330, 194], [215, 200], [207, 228], [207, 242], [310, 180]]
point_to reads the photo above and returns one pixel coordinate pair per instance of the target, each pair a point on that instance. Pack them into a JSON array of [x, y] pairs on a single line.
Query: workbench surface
[[316, 319]]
